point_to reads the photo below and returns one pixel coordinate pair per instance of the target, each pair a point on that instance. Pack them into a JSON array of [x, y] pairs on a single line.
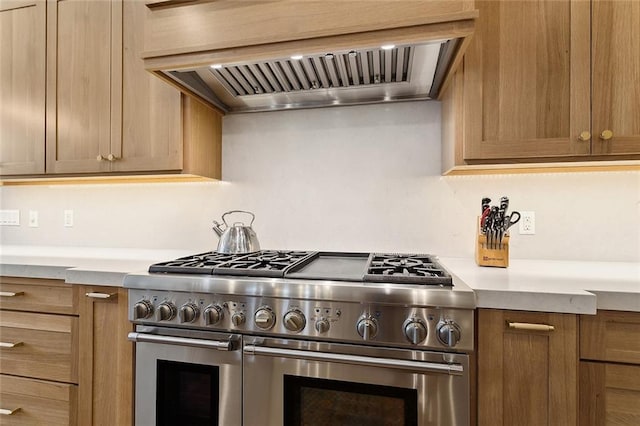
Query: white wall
[[350, 178]]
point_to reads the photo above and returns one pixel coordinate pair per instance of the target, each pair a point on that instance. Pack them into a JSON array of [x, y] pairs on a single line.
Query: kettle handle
[[253, 217]]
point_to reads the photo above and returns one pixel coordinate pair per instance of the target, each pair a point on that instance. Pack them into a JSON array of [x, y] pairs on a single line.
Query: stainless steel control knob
[[142, 309], [415, 330], [238, 319], [264, 318], [212, 314], [166, 311], [322, 325], [448, 333], [367, 327], [294, 320], [189, 312]]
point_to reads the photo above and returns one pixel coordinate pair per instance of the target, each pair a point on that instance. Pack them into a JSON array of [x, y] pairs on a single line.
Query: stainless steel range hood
[[328, 78]]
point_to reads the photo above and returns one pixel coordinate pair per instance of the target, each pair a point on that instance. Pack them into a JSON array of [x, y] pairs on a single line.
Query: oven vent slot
[[326, 71]]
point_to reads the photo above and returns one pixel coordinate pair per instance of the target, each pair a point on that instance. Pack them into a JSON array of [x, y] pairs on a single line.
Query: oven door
[[294, 383], [187, 377]]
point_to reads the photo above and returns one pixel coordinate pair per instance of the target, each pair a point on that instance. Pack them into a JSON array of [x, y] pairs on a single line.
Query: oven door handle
[[181, 341], [401, 364]]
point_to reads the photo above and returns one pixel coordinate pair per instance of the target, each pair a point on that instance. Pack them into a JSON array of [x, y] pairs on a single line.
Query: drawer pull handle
[[9, 344], [11, 293], [6, 412], [530, 327], [100, 295]]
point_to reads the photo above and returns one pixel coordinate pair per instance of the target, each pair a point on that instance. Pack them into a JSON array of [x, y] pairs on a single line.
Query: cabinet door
[[609, 394], [22, 86], [151, 109], [526, 81], [80, 92], [106, 358], [527, 377], [616, 72]]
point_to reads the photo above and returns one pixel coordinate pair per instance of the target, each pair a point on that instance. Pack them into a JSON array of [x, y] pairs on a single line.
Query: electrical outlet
[[68, 218], [33, 218], [10, 217], [527, 223]]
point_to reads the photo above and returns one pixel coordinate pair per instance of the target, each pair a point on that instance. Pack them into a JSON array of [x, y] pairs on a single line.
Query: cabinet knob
[[606, 135], [100, 157], [111, 157], [584, 136]]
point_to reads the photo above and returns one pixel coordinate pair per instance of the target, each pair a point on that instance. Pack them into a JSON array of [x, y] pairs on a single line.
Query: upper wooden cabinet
[[104, 112], [615, 64], [542, 81], [22, 86], [81, 97]]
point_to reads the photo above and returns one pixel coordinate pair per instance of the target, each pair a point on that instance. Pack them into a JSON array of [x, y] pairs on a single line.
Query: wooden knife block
[[485, 256]]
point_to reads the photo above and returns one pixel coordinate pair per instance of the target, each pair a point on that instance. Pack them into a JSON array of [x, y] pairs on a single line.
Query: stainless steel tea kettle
[[237, 238]]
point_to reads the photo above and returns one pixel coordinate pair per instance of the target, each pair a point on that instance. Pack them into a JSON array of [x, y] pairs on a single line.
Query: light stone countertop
[[532, 285], [80, 265], [578, 287]]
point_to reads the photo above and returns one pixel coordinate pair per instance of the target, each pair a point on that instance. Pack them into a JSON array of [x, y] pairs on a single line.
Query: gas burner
[[203, 263], [406, 269], [265, 263]]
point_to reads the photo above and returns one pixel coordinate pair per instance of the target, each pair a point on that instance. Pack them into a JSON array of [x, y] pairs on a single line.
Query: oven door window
[[187, 394], [318, 402]]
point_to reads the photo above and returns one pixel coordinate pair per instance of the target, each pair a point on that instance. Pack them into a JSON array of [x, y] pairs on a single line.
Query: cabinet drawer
[[37, 402], [610, 336], [40, 346], [38, 295]]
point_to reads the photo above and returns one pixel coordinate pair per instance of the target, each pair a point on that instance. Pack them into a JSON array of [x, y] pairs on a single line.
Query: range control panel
[[425, 327]]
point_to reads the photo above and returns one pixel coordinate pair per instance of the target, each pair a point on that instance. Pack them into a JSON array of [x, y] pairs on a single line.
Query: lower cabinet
[[64, 354], [527, 368], [38, 352], [610, 369], [106, 358]]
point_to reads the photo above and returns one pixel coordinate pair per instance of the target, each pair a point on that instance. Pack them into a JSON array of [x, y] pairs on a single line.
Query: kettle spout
[[217, 228]]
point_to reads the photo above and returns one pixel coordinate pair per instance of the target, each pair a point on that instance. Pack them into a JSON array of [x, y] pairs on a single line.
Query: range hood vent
[[355, 68], [348, 77]]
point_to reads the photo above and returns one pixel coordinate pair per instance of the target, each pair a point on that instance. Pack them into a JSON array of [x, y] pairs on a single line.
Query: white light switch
[[68, 218], [10, 217], [33, 218]]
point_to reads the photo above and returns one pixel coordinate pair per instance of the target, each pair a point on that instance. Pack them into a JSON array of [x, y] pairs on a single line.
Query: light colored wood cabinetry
[[527, 372], [105, 114], [615, 65], [65, 358], [39, 351], [151, 109], [610, 369], [22, 86], [209, 26], [82, 57], [541, 81], [106, 358]]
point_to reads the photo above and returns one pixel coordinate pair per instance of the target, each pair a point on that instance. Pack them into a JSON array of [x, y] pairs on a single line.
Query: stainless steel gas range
[[301, 338]]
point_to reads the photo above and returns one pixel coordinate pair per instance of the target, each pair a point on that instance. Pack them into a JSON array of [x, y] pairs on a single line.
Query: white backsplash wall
[[350, 178]]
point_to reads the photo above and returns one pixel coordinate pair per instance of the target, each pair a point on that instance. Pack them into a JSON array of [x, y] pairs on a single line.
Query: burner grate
[[203, 263], [265, 263], [406, 269]]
